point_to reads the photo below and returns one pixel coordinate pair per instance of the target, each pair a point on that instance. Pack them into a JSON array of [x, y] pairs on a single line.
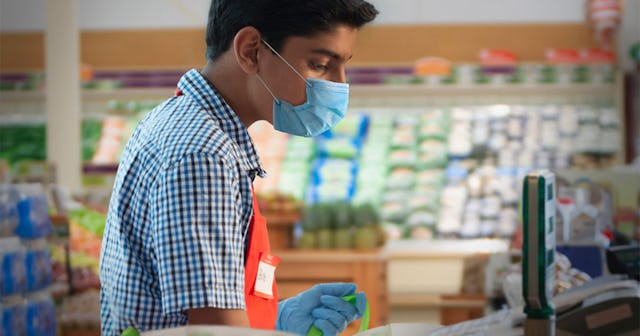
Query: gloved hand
[[321, 306]]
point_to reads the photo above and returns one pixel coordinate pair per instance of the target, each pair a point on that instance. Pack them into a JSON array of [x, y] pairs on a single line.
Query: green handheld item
[[130, 332], [364, 324]]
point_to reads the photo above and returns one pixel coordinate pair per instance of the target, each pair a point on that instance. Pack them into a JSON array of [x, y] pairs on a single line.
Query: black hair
[[279, 19]]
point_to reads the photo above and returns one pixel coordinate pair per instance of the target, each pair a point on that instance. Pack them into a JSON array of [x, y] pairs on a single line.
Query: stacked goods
[[334, 169], [340, 225], [296, 166], [26, 306], [372, 172]]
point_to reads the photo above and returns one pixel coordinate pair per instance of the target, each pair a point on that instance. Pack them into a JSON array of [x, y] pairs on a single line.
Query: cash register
[[607, 305]]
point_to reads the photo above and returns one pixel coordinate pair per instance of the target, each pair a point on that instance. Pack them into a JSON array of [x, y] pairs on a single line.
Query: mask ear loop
[[268, 89], [287, 63]]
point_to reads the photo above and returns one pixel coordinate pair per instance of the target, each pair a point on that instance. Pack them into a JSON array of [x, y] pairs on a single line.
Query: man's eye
[[319, 67]]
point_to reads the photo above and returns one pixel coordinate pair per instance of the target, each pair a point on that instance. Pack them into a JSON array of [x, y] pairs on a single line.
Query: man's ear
[[246, 44]]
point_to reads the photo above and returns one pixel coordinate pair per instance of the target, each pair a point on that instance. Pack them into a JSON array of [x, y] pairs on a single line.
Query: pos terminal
[[539, 242]]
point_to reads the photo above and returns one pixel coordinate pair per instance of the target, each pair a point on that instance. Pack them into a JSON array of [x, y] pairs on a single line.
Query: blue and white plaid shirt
[[179, 213]]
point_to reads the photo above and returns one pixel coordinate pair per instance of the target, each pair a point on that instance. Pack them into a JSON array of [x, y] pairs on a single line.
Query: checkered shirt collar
[[198, 88]]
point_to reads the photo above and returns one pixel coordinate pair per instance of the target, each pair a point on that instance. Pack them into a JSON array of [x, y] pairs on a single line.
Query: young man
[[184, 241]]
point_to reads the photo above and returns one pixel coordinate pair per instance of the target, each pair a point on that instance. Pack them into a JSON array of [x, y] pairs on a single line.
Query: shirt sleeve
[[198, 235]]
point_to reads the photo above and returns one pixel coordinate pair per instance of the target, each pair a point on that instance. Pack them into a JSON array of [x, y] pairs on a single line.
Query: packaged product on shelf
[[8, 210], [609, 130], [33, 212], [13, 279], [403, 137], [507, 222], [452, 208], [568, 121], [459, 140], [422, 199], [353, 126], [394, 211], [421, 231], [38, 265], [40, 314], [13, 315], [432, 155], [431, 177], [300, 148], [402, 158], [339, 147], [490, 207], [488, 227], [400, 178]]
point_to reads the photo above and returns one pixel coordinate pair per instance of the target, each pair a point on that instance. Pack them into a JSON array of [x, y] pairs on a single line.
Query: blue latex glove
[[321, 306]]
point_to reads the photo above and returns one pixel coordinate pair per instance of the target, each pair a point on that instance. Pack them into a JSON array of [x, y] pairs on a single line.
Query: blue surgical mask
[[326, 105]]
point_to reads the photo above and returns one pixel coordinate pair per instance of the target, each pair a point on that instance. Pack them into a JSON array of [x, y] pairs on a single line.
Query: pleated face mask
[[325, 106]]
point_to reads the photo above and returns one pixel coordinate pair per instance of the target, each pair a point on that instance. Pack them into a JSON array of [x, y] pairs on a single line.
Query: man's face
[[322, 56]]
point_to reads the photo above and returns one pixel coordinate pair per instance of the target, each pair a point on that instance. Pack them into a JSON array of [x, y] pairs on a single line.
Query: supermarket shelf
[[93, 94], [404, 90], [359, 90]]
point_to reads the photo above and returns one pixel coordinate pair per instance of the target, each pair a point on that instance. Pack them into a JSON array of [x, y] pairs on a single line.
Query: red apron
[[262, 312]]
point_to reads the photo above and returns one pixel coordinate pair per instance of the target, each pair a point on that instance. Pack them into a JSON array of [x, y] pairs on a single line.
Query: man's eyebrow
[[331, 54]]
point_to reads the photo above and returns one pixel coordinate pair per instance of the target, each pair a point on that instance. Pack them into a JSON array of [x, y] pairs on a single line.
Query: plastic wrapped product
[[438, 115], [406, 120], [402, 158], [339, 147], [301, 148], [38, 265], [352, 126], [401, 178], [404, 138], [13, 278], [8, 210], [549, 112], [422, 218], [393, 231], [456, 173], [395, 212], [461, 114], [431, 177], [33, 213], [491, 206], [568, 120], [507, 222], [40, 315], [588, 115], [424, 201], [515, 127], [459, 141], [13, 316], [449, 223], [470, 229], [488, 227], [393, 196], [549, 134], [421, 232], [433, 130], [432, 160], [327, 170], [480, 134], [432, 145], [588, 138]]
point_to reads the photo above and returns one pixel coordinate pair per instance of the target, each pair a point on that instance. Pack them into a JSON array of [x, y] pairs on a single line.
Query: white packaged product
[[568, 120], [549, 134]]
